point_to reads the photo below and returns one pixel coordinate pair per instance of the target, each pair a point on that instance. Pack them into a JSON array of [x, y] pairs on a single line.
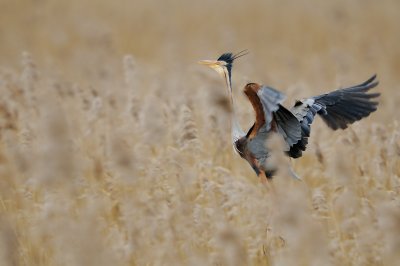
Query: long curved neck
[[236, 131]]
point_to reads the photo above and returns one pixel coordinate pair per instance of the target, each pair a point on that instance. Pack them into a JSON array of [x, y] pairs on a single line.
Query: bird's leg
[[263, 177], [265, 181]]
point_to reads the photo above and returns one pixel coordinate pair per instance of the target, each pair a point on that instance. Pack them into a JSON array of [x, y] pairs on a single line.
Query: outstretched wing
[[271, 115], [338, 109]]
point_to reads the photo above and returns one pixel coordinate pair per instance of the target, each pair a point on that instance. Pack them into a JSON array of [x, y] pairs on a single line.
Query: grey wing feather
[[286, 123], [343, 107], [338, 109], [270, 100]]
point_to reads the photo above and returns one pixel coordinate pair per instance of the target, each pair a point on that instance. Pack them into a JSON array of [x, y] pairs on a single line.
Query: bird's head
[[223, 65]]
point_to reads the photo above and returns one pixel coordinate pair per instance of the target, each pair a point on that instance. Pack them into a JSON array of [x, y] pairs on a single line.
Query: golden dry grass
[[115, 145]]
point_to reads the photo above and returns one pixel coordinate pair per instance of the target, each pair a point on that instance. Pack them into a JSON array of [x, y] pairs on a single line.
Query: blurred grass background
[[323, 43], [115, 143]]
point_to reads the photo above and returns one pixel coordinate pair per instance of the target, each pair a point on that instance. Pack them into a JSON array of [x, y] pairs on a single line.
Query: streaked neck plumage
[[236, 131]]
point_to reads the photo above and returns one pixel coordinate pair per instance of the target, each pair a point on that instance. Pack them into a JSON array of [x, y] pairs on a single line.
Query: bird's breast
[[240, 146]]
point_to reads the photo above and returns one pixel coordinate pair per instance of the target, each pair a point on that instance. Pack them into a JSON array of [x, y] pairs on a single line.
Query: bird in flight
[[337, 109]]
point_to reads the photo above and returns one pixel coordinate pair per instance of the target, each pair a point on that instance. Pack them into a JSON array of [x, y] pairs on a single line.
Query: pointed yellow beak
[[207, 62], [211, 63]]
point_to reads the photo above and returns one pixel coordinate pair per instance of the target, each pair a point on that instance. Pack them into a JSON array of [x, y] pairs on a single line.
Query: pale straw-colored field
[[115, 145]]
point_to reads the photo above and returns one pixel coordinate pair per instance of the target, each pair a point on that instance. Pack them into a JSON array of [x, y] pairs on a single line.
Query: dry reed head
[[188, 130], [29, 73]]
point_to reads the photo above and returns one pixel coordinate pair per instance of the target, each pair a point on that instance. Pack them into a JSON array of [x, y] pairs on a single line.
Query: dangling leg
[[266, 181], [263, 178], [292, 173]]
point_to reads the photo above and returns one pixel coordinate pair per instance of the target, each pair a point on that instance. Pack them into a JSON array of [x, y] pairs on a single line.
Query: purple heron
[[337, 109]]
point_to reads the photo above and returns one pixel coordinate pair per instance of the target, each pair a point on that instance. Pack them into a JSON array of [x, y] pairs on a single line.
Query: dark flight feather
[[337, 109]]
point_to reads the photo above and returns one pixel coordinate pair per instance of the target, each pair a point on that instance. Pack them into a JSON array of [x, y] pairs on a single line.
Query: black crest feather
[[229, 58]]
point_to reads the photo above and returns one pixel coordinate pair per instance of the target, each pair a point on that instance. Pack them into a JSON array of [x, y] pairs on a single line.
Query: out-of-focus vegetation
[[115, 145]]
